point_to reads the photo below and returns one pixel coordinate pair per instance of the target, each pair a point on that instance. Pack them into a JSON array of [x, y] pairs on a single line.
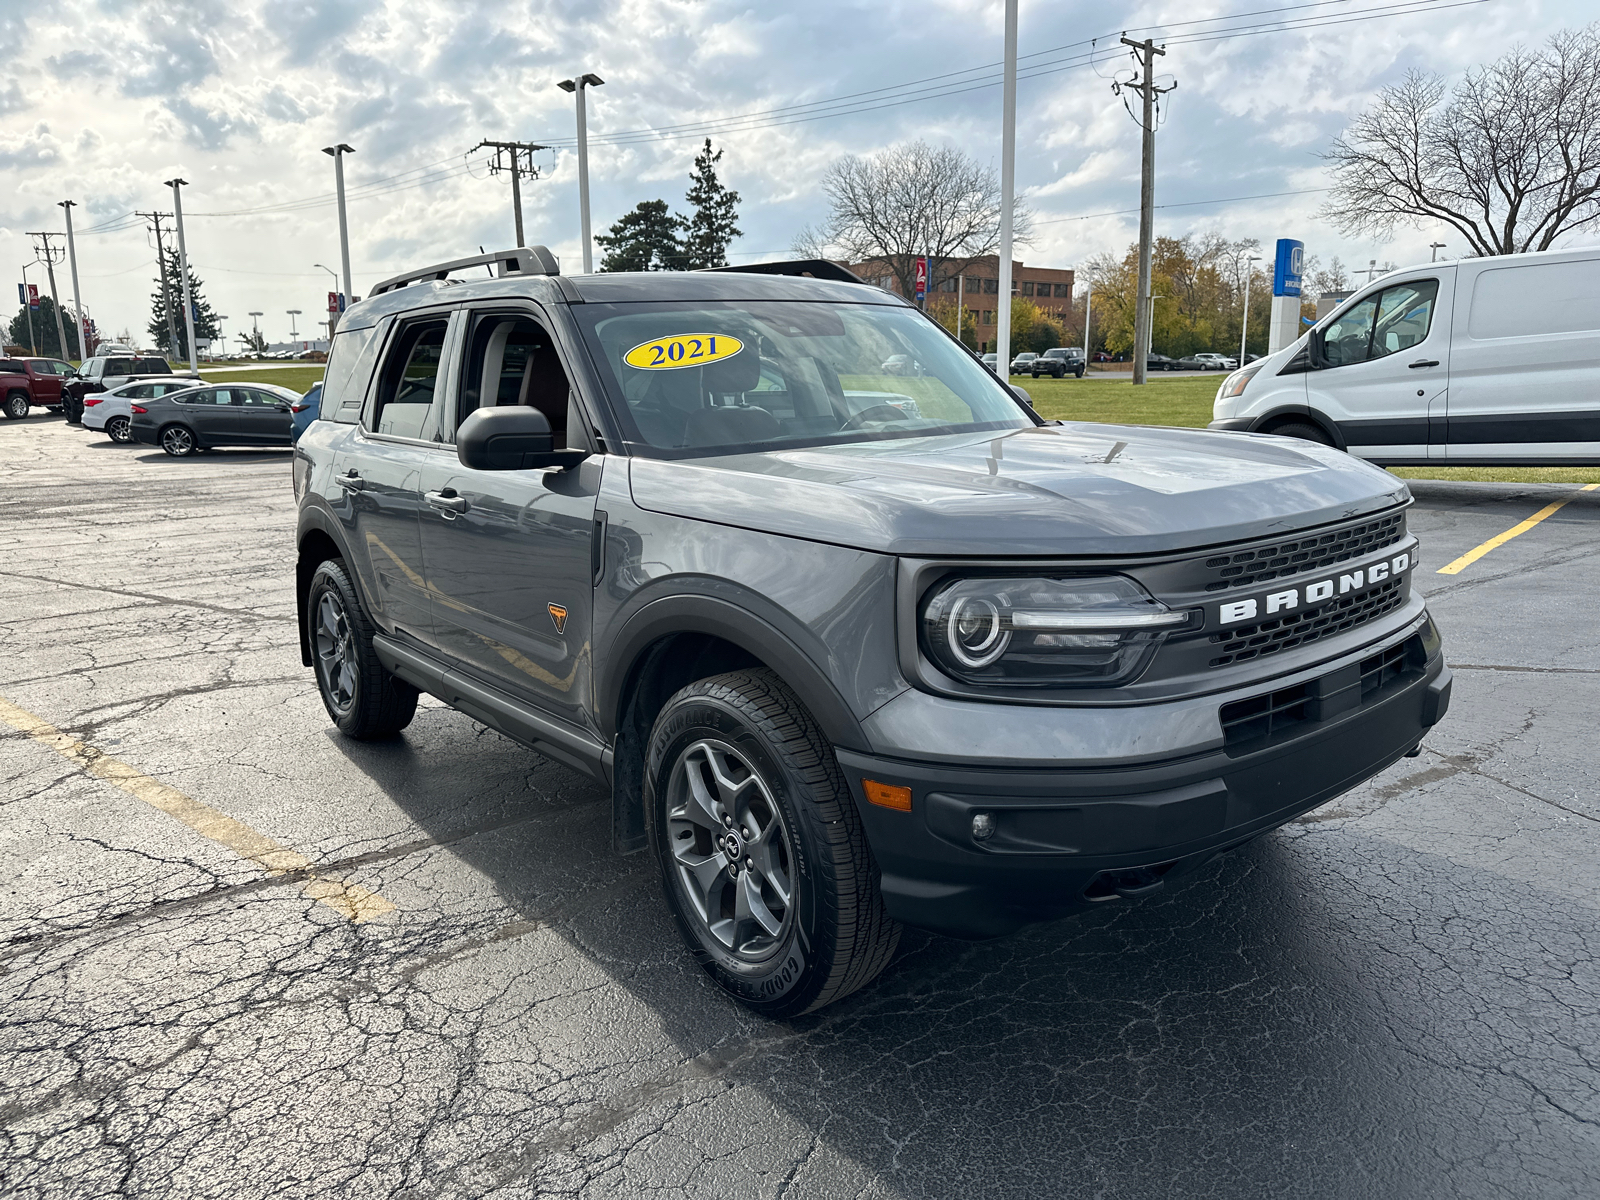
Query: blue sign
[[22, 294], [1286, 268]]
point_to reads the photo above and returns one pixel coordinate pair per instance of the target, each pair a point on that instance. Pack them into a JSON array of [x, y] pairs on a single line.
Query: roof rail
[[529, 260], [815, 268]]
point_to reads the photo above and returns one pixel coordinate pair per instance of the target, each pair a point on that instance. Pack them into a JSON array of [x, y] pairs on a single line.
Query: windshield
[[697, 378]]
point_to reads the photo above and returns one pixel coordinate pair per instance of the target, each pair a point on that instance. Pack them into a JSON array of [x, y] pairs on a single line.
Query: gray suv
[[844, 662]]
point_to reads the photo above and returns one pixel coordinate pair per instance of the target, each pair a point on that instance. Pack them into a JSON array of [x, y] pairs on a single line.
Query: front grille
[[1307, 625], [1284, 712], [1312, 552]]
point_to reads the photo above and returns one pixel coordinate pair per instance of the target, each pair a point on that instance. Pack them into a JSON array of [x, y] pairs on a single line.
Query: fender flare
[[717, 617], [1304, 414], [312, 520]]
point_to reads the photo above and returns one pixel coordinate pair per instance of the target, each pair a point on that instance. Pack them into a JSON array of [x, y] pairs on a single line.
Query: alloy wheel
[[16, 407], [336, 655], [117, 430], [177, 441], [731, 850]]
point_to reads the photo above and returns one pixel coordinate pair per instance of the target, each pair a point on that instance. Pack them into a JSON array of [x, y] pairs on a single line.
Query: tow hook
[[1128, 882]]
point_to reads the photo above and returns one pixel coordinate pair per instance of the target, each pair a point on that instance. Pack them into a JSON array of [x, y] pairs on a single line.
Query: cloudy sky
[[104, 99]]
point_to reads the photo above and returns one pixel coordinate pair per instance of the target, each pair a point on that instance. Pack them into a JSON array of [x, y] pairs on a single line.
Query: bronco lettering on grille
[[1235, 611]]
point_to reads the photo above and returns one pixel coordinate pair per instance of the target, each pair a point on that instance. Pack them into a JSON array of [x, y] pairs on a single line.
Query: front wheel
[[362, 698], [16, 406], [119, 430], [1305, 431], [765, 863]]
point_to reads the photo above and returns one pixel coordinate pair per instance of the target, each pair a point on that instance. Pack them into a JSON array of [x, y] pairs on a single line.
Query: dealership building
[[979, 287]]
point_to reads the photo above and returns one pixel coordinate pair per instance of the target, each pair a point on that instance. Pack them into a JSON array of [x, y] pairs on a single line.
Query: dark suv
[[1061, 361], [844, 661]]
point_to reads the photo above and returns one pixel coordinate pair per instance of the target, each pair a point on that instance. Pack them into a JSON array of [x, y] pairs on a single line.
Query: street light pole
[[255, 328], [183, 268], [1433, 246], [77, 299], [334, 315], [576, 86], [294, 333], [338, 152], [1244, 330], [1088, 301], [1008, 171]]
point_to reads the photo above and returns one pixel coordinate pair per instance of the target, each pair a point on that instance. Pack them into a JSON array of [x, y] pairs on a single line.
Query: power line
[[1122, 212]]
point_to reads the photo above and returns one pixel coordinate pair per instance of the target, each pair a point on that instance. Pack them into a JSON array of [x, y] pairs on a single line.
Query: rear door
[[1388, 358], [509, 552], [1525, 360], [210, 414]]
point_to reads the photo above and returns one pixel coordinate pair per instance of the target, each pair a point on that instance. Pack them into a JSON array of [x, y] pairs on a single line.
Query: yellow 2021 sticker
[[682, 350]]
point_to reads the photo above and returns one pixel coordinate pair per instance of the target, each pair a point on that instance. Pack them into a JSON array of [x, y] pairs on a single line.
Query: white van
[[1481, 362]]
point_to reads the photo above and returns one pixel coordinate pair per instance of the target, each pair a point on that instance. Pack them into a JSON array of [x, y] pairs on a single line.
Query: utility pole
[[77, 299], [961, 282], [1008, 173], [338, 152], [161, 273], [515, 152], [47, 255], [1145, 54], [576, 87], [183, 273]]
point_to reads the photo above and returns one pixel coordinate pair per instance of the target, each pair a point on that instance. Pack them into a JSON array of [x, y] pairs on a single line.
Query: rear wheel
[[362, 698], [16, 406], [73, 411], [766, 866], [1305, 431], [177, 441], [119, 430]]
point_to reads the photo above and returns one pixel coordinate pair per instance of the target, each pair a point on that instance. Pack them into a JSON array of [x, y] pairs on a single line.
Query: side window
[[62, 368], [143, 391], [1349, 339], [119, 366], [1405, 313], [344, 383], [409, 379], [213, 396], [254, 398], [511, 360]]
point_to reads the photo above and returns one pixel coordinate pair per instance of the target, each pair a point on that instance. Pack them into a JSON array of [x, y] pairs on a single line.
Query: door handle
[[1425, 362], [447, 502], [351, 482]]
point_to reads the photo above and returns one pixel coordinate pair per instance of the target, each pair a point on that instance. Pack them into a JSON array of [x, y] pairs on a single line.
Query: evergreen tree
[[44, 329], [205, 321], [716, 209], [646, 239]]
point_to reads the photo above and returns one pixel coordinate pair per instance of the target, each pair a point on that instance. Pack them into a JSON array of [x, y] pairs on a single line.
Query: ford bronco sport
[[850, 650]]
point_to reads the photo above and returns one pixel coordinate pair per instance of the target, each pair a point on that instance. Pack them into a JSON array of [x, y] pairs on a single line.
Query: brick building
[[979, 287]]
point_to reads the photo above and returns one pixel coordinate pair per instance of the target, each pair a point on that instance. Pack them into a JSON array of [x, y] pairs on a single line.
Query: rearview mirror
[[511, 439]]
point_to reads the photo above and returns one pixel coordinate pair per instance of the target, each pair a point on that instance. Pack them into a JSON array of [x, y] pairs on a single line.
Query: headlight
[[1095, 631], [1235, 383]]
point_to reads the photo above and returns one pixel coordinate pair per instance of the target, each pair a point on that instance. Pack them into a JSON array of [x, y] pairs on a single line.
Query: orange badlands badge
[[558, 614]]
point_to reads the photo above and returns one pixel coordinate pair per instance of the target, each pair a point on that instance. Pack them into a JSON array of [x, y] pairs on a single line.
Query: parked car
[[901, 364], [305, 409], [112, 411], [1023, 363], [841, 668], [1201, 362], [1061, 361], [1160, 362], [990, 360], [104, 372], [213, 416], [26, 382], [1100, 356], [1481, 362]]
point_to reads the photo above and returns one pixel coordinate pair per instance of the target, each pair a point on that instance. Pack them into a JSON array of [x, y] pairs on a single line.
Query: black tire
[[833, 934], [177, 440], [1305, 431], [73, 412], [16, 406], [120, 430], [362, 699]]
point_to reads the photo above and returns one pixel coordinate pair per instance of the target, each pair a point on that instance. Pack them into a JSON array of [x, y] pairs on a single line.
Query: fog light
[[982, 826]]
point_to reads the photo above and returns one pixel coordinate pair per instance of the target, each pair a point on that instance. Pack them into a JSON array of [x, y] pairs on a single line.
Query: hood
[[1068, 489]]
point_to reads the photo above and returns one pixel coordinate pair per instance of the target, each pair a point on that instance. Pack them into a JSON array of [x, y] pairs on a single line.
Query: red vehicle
[[32, 381]]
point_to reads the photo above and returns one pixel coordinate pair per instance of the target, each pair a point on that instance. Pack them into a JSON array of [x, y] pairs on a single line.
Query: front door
[[263, 419], [377, 475], [509, 552], [1388, 362], [211, 412]]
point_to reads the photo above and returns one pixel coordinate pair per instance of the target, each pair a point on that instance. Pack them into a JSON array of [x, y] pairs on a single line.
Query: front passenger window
[[511, 360], [409, 380]]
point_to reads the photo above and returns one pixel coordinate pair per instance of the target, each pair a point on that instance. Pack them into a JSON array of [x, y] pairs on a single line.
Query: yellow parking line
[[348, 900], [1500, 539]]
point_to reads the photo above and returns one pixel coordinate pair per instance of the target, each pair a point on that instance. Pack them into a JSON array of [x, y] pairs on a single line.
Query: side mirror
[[1317, 349], [511, 439], [1021, 393]]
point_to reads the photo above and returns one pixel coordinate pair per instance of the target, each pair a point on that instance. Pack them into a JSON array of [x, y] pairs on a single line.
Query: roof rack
[[815, 268], [529, 260]]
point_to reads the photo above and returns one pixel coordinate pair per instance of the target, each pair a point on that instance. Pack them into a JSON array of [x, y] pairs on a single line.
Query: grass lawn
[[1188, 402]]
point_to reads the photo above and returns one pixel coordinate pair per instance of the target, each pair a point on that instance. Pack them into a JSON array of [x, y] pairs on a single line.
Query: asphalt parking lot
[[446, 985]]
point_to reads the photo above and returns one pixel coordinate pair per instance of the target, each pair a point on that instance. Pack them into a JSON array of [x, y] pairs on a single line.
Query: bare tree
[[910, 200], [1511, 160]]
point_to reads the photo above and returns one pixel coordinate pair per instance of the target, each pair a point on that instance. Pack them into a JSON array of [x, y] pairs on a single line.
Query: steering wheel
[[878, 412]]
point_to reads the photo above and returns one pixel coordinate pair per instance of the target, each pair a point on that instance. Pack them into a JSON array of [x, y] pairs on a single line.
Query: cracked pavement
[[1395, 996]]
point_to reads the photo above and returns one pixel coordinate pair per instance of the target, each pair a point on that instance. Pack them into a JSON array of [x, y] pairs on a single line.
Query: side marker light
[[886, 795]]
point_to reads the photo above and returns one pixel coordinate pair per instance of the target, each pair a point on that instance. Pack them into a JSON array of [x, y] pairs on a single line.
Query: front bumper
[[1064, 837], [1234, 424]]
